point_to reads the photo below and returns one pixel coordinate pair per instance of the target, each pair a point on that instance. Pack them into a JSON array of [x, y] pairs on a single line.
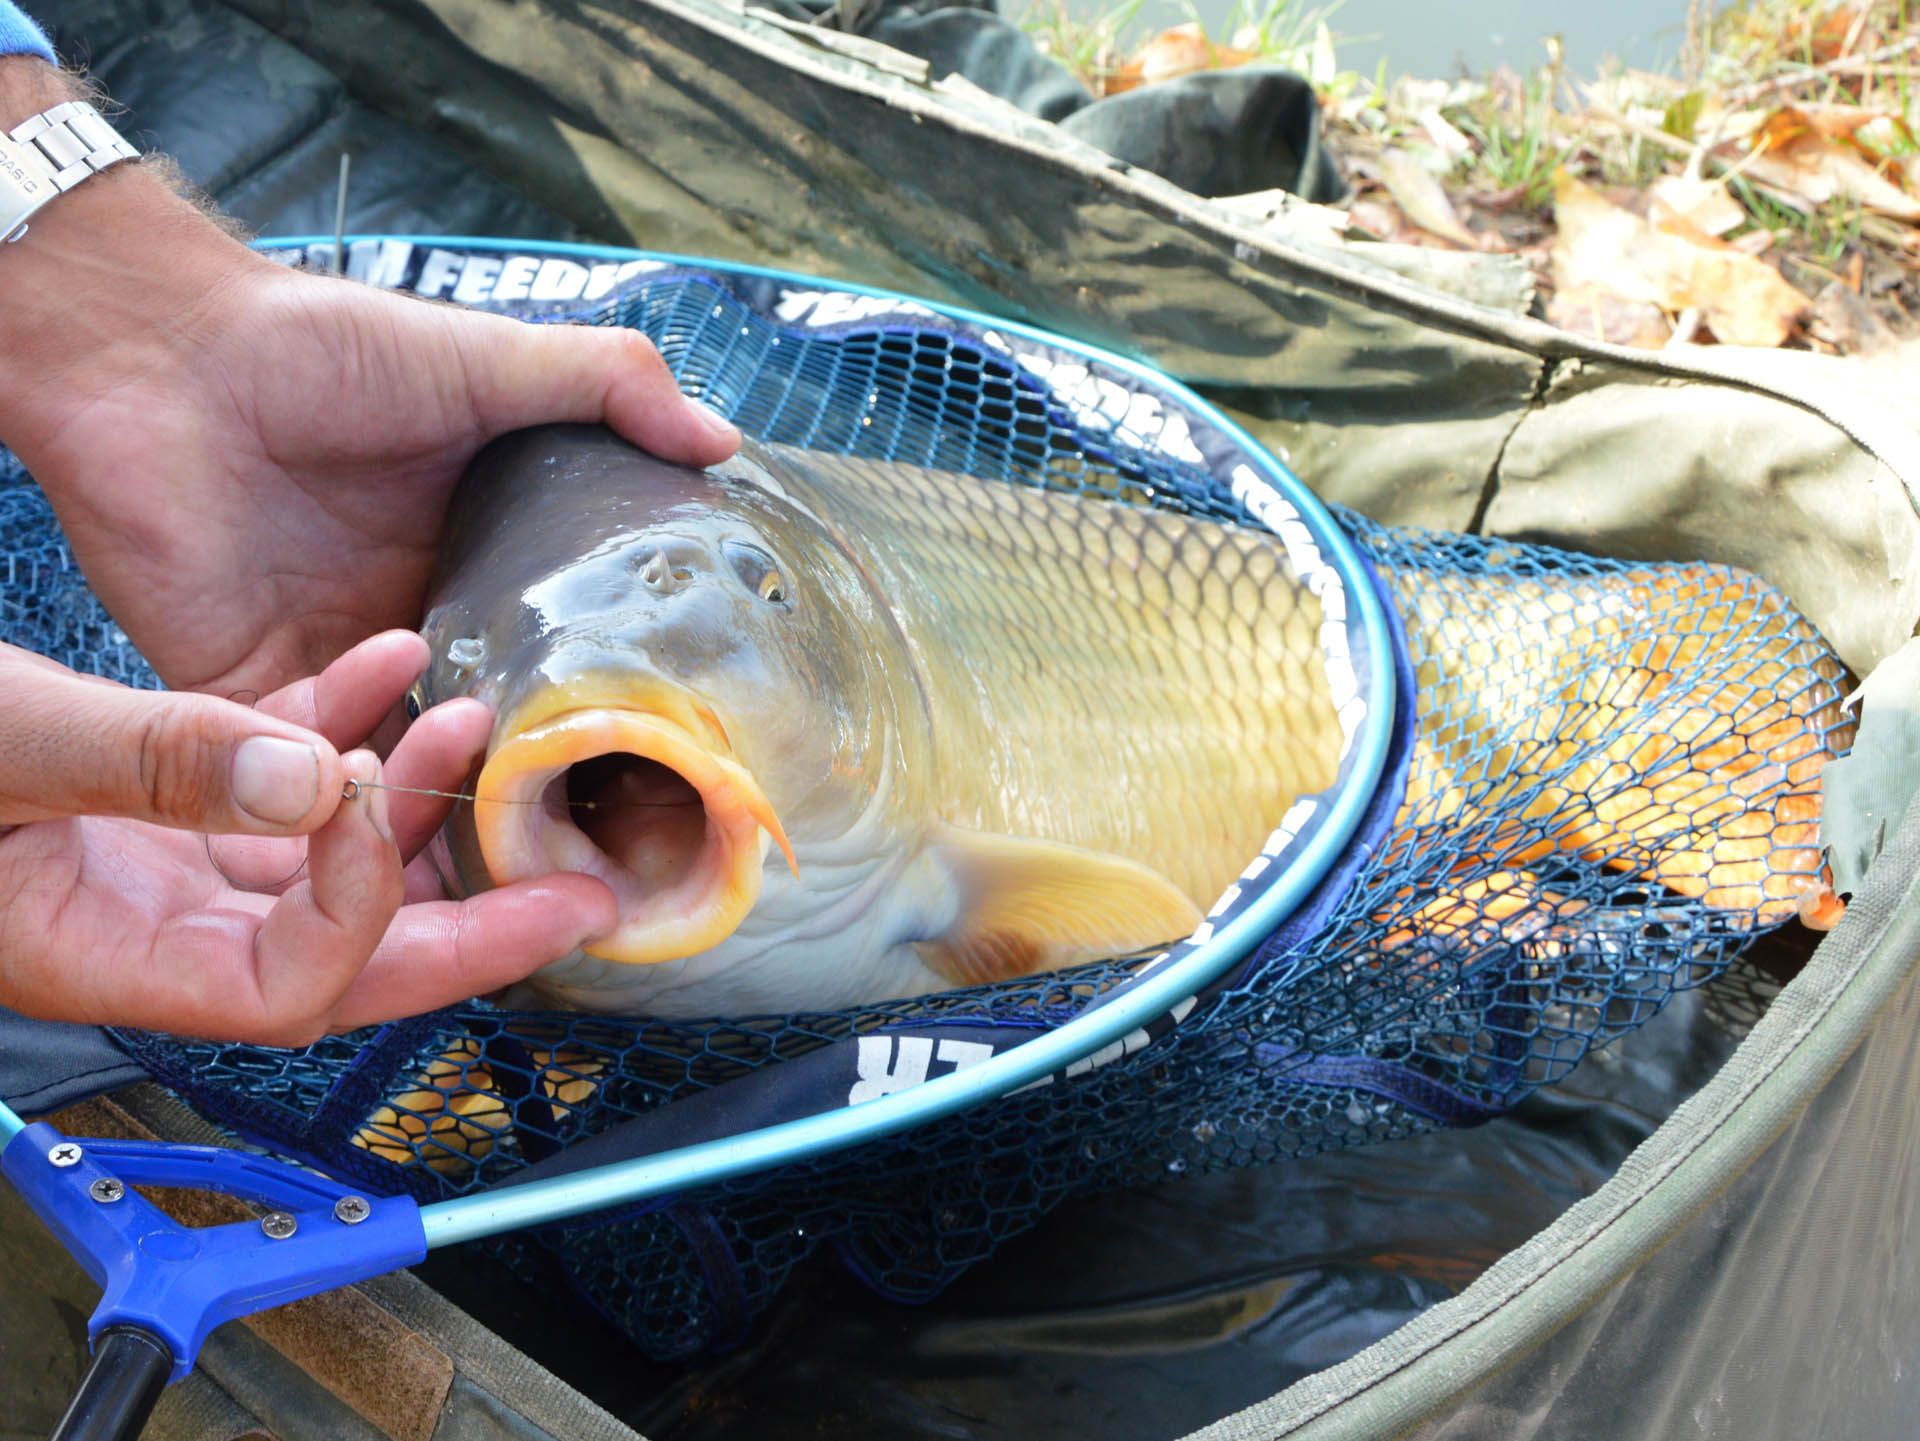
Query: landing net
[[1603, 783]]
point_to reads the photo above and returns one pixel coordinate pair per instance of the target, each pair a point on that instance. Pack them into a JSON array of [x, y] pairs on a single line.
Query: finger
[[348, 700], [316, 939], [438, 753], [442, 952], [71, 745], [523, 374]]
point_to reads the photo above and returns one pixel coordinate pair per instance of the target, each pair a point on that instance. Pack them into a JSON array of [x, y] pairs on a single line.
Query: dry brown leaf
[[1421, 198], [1789, 122], [1587, 310], [1182, 50], [1703, 203], [1818, 172], [1840, 318], [1120, 79], [1604, 251], [1445, 135], [1811, 153], [1375, 216], [1597, 244], [1743, 300], [1815, 38]]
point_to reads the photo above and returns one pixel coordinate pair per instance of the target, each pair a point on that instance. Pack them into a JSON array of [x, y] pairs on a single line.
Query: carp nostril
[[467, 653], [664, 570]]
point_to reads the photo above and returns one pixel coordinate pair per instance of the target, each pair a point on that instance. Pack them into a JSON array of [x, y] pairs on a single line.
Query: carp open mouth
[[638, 811], [675, 829]]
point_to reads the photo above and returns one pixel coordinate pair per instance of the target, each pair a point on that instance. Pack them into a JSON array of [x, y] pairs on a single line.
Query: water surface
[[1420, 37]]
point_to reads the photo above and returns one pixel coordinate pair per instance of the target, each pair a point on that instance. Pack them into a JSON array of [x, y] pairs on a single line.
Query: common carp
[[836, 731]]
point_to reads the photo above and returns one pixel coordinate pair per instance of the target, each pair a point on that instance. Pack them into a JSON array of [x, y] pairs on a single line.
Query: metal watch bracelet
[[49, 154]]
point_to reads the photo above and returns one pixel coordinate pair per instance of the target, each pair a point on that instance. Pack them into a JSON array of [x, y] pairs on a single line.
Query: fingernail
[[275, 780], [714, 421]]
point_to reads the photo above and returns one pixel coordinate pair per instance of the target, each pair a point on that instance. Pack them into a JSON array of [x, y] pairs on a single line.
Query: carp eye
[[758, 572]]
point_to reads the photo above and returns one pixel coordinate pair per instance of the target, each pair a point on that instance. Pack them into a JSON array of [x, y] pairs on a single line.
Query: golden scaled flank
[[1148, 685], [452, 1118], [1599, 713]]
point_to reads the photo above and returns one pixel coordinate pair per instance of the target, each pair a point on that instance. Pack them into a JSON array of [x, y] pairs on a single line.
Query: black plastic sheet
[[45, 1065], [1225, 132], [261, 128]]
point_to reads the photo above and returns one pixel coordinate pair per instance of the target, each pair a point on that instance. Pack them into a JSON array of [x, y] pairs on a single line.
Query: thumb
[[73, 745], [524, 374]]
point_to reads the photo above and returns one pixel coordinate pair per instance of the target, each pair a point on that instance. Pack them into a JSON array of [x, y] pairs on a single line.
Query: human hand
[[252, 464], [113, 911]]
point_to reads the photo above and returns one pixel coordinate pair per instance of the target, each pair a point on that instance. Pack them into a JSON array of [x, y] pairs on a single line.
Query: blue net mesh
[[1612, 787]]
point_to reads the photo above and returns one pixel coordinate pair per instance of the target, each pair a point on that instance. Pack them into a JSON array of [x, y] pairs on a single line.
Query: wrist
[[29, 85], [111, 284]]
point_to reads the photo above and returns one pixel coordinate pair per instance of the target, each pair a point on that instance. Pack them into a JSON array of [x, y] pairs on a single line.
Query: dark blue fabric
[[823, 1081], [19, 35]]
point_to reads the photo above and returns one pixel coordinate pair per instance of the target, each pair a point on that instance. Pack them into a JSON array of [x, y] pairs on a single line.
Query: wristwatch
[[50, 154]]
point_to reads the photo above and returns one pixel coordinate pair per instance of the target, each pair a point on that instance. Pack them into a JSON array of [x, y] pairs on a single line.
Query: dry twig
[[1874, 227], [1840, 65]]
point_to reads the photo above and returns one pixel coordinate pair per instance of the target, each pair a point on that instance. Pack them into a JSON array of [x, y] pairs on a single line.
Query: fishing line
[[264, 888], [352, 789]]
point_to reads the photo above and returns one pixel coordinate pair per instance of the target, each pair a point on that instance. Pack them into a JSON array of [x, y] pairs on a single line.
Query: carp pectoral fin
[[1028, 906]]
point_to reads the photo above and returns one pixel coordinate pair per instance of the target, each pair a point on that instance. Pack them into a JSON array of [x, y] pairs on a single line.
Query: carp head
[[687, 673]]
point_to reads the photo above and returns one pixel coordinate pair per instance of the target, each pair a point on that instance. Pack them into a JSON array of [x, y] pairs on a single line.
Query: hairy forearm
[[112, 279]]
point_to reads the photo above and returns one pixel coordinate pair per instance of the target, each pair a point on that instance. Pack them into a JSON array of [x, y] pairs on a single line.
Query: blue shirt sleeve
[[19, 35]]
